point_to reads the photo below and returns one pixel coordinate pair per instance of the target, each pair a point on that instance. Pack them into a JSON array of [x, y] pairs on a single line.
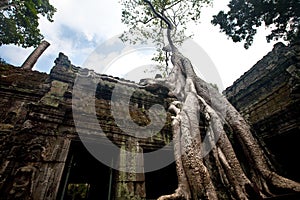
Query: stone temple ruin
[[42, 156]]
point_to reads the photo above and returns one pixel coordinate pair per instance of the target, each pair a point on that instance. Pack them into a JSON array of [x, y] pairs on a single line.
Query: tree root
[[195, 177], [179, 194]]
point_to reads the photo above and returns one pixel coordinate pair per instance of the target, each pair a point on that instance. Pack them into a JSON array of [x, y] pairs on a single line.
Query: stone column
[[130, 185]]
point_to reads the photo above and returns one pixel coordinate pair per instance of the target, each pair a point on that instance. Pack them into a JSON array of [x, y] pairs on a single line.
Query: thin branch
[[174, 4], [161, 16], [161, 32], [167, 64], [174, 16], [146, 22], [168, 16], [167, 21], [7, 6]]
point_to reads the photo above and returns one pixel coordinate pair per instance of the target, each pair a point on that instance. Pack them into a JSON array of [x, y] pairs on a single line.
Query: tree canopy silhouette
[[240, 23], [19, 21]]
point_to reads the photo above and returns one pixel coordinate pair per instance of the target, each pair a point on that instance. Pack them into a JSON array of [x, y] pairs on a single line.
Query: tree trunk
[[225, 162], [219, 173], [34, 56]]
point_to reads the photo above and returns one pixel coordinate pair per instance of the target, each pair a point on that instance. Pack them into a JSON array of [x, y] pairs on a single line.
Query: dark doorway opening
[[285, 148], [161, 182], [85, 177]]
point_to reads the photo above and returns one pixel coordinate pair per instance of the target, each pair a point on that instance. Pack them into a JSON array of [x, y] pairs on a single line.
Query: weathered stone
[[268, 97], [37, 126]]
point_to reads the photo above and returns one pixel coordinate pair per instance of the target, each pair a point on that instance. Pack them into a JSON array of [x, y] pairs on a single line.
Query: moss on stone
[[56, 93]]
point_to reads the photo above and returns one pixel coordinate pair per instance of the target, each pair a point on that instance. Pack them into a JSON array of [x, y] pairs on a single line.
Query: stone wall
[[37, 128], [268, 97]]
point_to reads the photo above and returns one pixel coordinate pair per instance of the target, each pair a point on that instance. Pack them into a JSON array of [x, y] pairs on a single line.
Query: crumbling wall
[[33, 152], [37, 127]]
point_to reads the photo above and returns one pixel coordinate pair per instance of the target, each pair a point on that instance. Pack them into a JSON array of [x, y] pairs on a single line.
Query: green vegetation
[[244, 17], [19, 21], [145, 25]]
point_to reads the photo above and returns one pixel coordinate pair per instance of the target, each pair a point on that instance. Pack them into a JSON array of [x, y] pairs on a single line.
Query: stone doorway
[[161, 182], [85, 177]]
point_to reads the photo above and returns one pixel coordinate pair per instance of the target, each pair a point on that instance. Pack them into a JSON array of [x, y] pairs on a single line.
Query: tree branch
[[5, 4], [167, 21], [174, 4], [146, 22], [160, 16]]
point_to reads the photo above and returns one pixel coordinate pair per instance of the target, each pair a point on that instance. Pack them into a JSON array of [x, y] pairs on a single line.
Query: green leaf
[[19, 22]]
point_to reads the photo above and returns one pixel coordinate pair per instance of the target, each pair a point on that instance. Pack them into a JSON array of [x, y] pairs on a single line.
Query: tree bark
[[34, 56], [218, 173]]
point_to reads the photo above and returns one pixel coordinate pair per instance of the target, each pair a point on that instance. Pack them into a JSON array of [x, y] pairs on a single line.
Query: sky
[[81, 28]]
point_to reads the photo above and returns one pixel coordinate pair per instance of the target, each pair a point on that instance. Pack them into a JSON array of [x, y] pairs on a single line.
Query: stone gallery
[[44, 157]]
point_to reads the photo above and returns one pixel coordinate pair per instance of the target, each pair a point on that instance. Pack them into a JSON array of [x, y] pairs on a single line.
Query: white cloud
[[129, 61], [115, 57], [13, 54], [231, 59], [92, 22], [92, 17]]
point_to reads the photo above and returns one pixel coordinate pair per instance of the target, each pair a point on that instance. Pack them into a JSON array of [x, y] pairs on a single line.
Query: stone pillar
[[34, 56], [130, 185]]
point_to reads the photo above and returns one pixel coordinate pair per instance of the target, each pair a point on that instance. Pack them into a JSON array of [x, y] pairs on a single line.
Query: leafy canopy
[[245, 16], [19, 21], [144, 24]]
